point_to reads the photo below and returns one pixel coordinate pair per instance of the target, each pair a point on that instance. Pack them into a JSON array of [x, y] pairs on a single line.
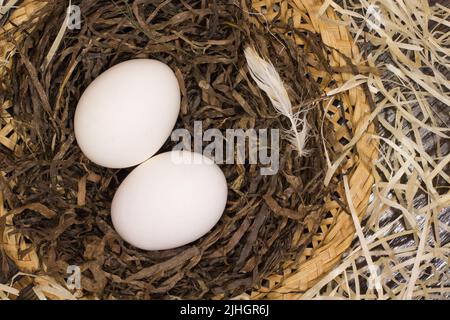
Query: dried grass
[[403, 247], [42, 288]]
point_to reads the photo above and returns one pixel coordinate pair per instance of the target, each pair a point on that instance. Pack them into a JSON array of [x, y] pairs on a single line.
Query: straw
[[412, 175]]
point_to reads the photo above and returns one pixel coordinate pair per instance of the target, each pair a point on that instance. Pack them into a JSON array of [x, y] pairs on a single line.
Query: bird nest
[[58, 202]]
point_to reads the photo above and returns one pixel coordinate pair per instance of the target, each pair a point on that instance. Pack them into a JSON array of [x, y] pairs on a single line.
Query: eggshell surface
[[170, 200], [127, 113]]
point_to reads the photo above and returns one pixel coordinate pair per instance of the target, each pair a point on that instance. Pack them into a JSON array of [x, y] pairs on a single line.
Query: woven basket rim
[[337, 231]]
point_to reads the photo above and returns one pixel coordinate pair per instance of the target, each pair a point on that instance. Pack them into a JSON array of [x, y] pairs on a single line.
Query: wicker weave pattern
[[337, 231]]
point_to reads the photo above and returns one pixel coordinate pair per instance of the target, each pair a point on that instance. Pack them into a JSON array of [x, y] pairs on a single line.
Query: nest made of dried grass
[[272, 225]]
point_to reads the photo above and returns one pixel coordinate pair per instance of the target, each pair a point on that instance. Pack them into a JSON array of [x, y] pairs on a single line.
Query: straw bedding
[[403, 249], [60, 201]]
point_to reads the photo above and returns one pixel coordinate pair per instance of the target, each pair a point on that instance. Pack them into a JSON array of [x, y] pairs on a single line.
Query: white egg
[[170, 200], [127, 113]]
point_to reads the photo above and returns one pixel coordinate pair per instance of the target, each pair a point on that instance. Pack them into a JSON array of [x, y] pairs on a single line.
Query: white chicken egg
[[127, 113], [170, 200]]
